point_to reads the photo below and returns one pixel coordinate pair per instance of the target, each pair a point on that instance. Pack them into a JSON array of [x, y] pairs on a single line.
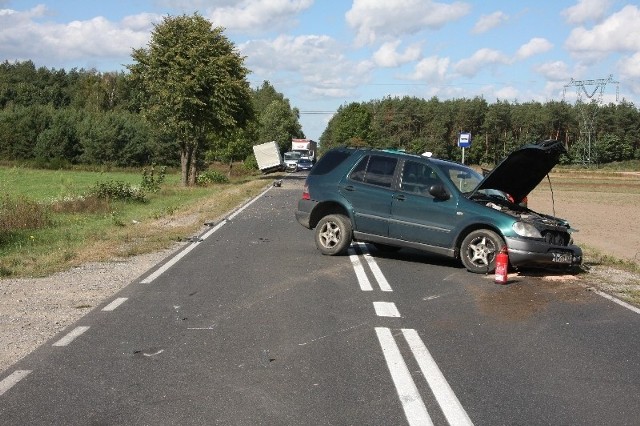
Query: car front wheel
[[333, 234], [479, 249]]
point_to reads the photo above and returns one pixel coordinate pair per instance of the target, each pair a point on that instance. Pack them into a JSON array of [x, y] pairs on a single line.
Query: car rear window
[[329, 161]]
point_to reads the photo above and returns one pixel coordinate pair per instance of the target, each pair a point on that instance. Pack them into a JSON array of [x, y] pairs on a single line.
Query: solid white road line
[[113, 305], [172, 262], [8, 382], [451, 407], [618, 301], [71, 336], [412, 404], [365, 285], [237, 212], [377, 273], [386, 309], [184, 252]]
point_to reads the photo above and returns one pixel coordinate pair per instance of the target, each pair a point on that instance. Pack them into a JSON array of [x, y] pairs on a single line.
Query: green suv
[[393, 199]]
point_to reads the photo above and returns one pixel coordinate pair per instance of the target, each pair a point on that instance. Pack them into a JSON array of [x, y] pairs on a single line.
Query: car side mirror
[[439, 192]]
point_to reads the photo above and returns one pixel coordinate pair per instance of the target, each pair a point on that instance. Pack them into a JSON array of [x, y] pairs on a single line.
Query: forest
[[56, 119], [593, 133]]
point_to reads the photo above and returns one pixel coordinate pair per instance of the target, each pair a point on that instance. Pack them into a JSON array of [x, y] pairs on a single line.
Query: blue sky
[[325, 53]]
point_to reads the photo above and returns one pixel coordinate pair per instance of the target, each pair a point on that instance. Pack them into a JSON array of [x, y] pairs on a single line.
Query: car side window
[[375, 170], [417, 177]]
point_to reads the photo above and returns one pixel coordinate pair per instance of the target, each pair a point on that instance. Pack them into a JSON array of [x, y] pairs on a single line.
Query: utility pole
[[588, 111]]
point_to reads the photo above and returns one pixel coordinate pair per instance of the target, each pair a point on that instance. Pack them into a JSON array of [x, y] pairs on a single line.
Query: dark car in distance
[[304, 164], [393, 199]]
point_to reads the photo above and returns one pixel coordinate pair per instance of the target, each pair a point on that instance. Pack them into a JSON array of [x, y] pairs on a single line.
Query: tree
[[279, 122], [194, 84]]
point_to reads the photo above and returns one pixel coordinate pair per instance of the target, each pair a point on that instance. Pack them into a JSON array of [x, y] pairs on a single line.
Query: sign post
[[464, 141]]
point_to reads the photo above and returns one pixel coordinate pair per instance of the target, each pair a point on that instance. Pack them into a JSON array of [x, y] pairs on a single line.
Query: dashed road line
[[113, 305], [71, 336], [386, 309], [11, 380]]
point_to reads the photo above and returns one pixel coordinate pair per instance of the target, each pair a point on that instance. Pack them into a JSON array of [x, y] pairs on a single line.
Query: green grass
[[78, 230], [47, 185]]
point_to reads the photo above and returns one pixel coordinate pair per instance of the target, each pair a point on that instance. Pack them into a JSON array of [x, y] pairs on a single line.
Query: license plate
[[562, 257]]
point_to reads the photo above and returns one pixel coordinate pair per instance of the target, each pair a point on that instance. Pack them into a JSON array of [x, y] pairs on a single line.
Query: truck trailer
[[268, 157], [306, 147]]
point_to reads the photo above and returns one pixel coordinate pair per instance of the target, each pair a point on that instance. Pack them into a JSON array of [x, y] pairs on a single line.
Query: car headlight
[[526, 230]]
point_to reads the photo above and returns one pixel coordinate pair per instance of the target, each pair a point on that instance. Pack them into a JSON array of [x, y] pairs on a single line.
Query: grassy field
[[75, 230]]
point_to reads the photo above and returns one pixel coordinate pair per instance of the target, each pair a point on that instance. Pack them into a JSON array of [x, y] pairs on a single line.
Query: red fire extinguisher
[[502, 266]]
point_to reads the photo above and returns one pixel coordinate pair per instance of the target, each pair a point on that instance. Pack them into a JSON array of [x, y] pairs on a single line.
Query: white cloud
[[629, 69], [586, 10], [482, 58], [373, 19], [316, 61], [620, 32], [554, 71], [508, 93], [487, 22], [256, 15], [22, 36], [535, 46], [432, 69], [387, 55]]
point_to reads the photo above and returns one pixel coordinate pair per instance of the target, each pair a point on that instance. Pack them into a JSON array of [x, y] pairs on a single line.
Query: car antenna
[[553, 201]]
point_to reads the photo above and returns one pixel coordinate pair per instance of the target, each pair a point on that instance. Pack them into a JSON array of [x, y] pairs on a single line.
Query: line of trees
[[593, 133], [185, 100]]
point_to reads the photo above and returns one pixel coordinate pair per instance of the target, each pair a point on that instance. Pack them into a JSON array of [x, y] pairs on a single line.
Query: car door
[[368, 189], [418, 216]]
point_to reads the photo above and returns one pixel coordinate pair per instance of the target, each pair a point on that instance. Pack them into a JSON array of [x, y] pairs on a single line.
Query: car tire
[[479, 249], [333, 234]]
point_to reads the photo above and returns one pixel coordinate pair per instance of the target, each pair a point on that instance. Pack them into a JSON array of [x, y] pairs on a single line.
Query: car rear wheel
[[479, 249], [333, 234]]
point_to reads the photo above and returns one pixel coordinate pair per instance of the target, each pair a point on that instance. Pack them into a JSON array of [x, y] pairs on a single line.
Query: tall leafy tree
[[194, 84]]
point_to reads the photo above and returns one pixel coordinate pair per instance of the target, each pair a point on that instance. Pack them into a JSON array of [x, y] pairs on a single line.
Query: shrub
[[80, 204], [21, 213], [117, 190], [151, 182], [211, 176]]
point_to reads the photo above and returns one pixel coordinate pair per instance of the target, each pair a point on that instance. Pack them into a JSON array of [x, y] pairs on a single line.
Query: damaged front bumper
[[541, 254]]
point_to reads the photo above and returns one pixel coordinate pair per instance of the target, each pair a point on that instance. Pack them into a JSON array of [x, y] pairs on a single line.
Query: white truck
[[306, 147], [268, 157]]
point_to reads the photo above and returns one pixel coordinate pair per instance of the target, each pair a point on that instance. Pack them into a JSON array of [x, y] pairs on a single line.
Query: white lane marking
[[377, 273], [237, 212], [172, 262], [70, 337], [184, 252], [386, 309], [365, 285], [9, 381], [618, 301], [113, 305], [451, 407], [412, 404]]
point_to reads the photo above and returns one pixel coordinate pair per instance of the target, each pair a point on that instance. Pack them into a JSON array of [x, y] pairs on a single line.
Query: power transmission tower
[[589, 110]]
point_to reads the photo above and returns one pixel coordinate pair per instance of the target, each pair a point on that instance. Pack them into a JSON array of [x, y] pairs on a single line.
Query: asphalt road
[[251, 325]]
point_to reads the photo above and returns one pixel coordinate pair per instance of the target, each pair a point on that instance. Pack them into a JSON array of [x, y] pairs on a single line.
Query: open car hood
[[522, 170]]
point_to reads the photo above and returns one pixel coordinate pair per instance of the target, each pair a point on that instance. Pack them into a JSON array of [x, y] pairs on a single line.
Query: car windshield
[[292, 155], [463, 177]]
